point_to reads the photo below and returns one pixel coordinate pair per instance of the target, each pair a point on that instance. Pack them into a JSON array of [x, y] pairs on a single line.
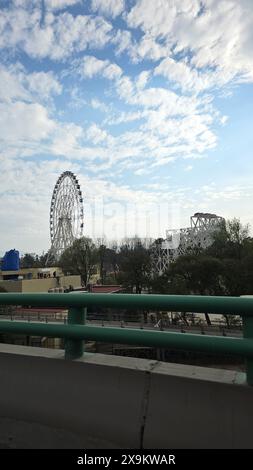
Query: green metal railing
[[75, 332]]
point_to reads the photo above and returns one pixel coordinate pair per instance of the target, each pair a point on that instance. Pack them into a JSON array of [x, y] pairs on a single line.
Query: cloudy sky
[[148, 102]]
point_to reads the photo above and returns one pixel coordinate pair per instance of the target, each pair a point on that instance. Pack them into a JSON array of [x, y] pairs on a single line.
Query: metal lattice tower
[[178, 242], [66, 215]]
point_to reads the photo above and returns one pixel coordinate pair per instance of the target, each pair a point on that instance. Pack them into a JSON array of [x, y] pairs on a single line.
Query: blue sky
[[148, 103]]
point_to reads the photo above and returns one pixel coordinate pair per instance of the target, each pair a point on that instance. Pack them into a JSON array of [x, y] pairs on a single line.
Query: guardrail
[[75, 331]]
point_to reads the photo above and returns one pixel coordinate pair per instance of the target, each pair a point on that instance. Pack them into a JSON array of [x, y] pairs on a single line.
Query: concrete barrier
[[103, 401]]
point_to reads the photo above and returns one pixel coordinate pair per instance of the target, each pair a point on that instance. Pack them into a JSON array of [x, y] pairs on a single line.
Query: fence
[[75, 331]]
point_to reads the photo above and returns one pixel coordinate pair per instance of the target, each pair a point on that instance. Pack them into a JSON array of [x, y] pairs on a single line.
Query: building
[[49, 279]]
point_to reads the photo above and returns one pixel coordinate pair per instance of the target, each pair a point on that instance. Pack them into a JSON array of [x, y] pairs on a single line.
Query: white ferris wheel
[[66, 214]]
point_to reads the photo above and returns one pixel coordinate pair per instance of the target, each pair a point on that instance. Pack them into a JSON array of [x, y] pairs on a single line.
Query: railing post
[[247, 323], [75, 348]]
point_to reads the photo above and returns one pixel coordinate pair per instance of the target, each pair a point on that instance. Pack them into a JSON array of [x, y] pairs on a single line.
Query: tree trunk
[[208, 321]]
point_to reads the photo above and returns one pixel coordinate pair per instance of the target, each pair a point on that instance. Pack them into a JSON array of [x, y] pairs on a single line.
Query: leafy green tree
[[234, 248], [43, 259], [189, 274], [80, 258], [230, 240], [200, 273], [101, 255], [29, 260], [169, 283], [112, 262], [108, 264], [134, 266], [247, 268], [32, 260]]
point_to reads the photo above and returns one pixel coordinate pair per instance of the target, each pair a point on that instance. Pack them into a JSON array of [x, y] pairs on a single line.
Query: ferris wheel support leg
[[75, 348]]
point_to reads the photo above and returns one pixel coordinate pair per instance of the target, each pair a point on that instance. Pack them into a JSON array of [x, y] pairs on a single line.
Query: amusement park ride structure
[[66, 215], [66, 224], [178, 242]]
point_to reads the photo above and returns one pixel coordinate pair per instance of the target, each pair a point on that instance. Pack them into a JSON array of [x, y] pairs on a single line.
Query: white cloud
[[66, 140], [171, 127], [60, 4], [219, 37], [217, 32], [125, 88], [155, 18], [96, 134], [233, 192], [11, 87], [15, 24], [112, 71], [124, 117], [90, 66], [159, 140], [123, 41], [43, 84], [27, 127], [149, 48], [142, 171], [156, 97], [21, 121], [25, 3], [97, 104], [188, 78], [143, 79], [111, 8], [77, 100], [58, 38], [17, 84], [223, 120]]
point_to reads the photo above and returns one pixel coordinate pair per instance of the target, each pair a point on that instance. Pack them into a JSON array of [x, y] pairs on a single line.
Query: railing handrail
[[175, 303], [159, 339], [77, 305]]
